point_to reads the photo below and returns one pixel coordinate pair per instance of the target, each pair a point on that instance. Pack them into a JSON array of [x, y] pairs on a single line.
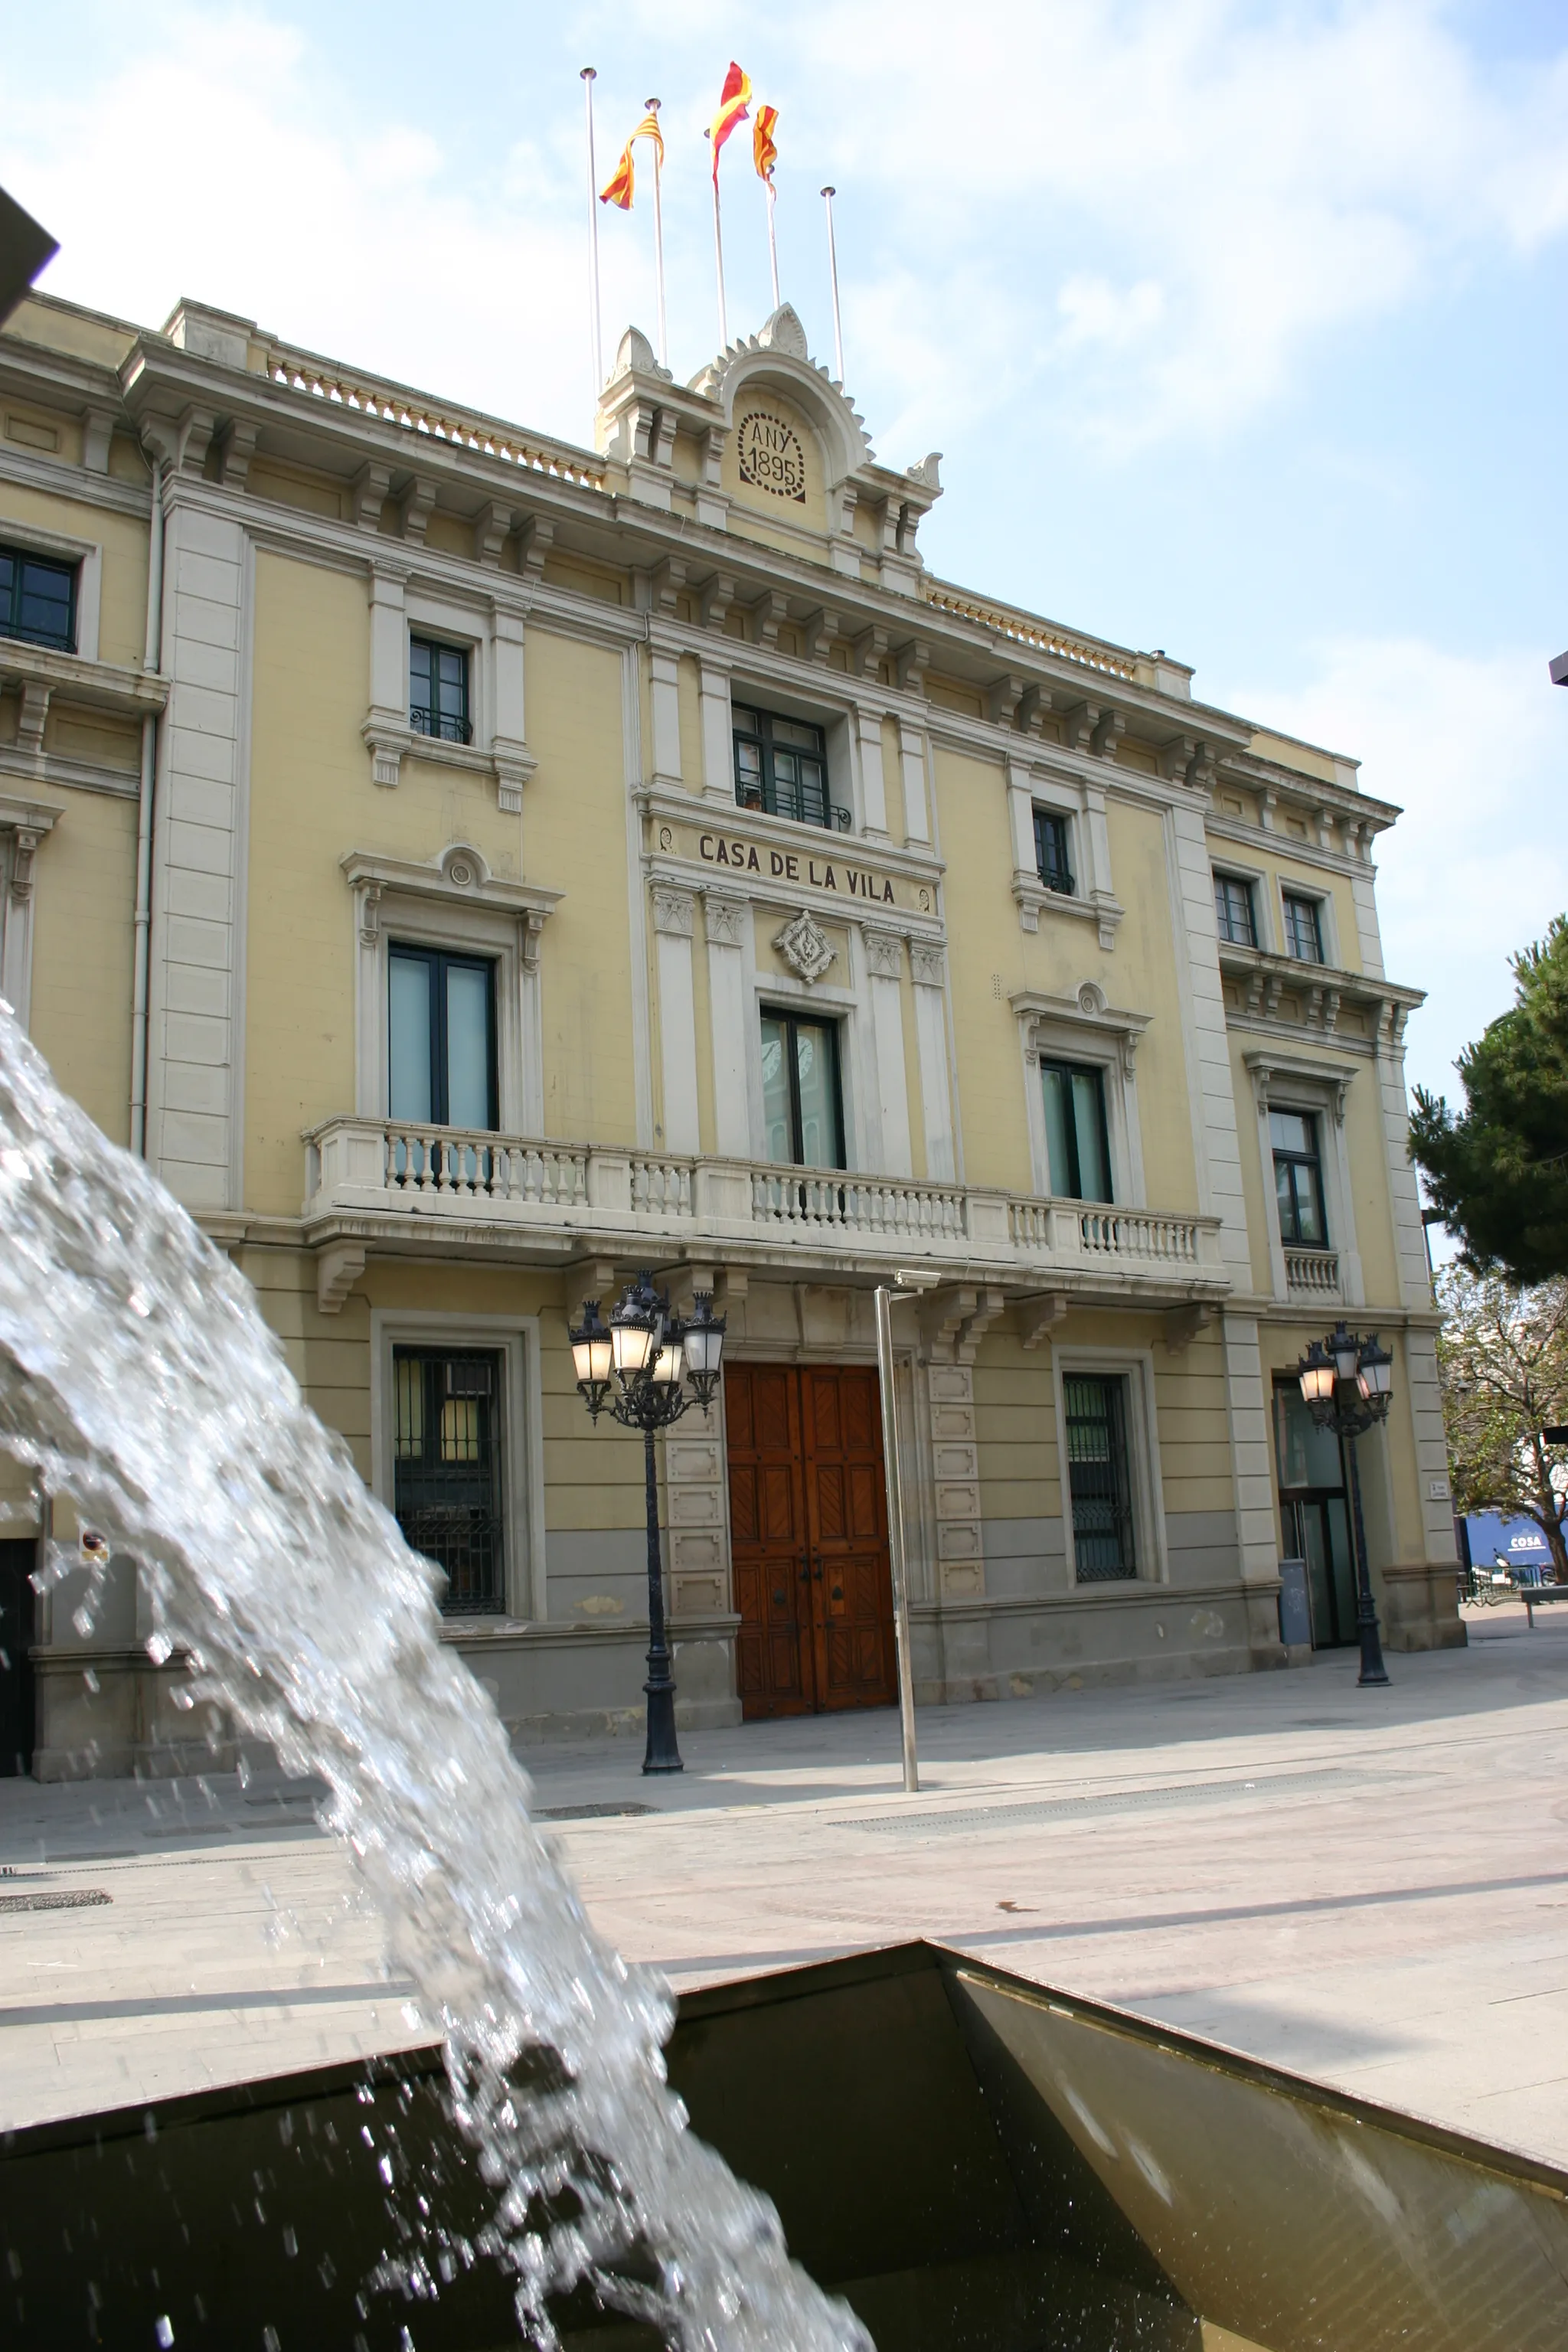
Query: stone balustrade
[[357, 1168], [1312, 1273]]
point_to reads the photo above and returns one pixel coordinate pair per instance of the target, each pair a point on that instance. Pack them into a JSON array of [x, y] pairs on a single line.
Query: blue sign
[[1515, 1544]]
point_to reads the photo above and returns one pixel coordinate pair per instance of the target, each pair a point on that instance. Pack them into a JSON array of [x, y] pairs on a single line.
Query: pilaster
[[674, 914], [928, 967]]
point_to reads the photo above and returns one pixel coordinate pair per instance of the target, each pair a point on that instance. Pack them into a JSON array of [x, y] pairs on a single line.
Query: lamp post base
[[661, 1755], [1372, 1669]]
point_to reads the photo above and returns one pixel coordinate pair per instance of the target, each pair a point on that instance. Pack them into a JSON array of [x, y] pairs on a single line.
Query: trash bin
[[976, 2163], [1295, 1610]]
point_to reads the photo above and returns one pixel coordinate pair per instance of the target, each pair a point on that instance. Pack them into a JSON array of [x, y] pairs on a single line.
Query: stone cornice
[[726, 817], [59, 480]]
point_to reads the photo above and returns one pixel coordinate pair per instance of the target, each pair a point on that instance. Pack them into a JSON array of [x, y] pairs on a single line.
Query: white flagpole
[[828, 196], [588, 76], [772, 240], [651, 104], [719, 257]]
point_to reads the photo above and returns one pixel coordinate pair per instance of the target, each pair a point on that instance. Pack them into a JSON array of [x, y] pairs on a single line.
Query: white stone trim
[[432, 907], [1290, 1082], [728, 921], [636, 902], [1085, 1029], [87, 554], [517, 1337], [24, 826], [883, 953], [1205, 1037], [674, 922], [928, 970], [490, 630], [1144, 1463], [1248, 1406]]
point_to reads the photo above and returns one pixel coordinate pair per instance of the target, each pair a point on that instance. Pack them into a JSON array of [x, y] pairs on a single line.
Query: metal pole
[[588, 76], [896, 1537], [773, 241], [719, 257], [661, 1753], [827, 196], [651, 105], [1372, 1669]]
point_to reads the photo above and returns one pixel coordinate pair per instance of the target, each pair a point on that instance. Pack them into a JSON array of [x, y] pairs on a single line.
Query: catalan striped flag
[[734, 105], [621, 186], [764, 148]]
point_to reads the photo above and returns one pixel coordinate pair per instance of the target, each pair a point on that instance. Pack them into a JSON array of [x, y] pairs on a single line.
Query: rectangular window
[[1303, 930], [442, 1038], [37, 600], [801, 1100], [439, 690], [446, 1470], [1100, 1488], [781, 765], [1075, 1137], [1051, 852], [1233, 911], [1297, 1178]]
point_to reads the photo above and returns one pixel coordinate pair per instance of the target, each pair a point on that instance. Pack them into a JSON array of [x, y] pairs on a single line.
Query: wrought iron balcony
[[445, 726], [556, 1197]]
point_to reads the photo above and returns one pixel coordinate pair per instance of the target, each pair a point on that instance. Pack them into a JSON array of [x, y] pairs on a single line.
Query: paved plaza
[[1368, 1887]]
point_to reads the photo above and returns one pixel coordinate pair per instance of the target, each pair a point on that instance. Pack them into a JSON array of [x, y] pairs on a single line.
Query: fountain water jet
[[137, 1376]]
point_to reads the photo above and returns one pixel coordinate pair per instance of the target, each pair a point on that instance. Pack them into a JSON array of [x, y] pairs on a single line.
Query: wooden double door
[[808, 1528]]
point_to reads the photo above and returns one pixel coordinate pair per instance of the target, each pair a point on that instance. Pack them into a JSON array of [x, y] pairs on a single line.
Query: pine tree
[[1499, 1175]]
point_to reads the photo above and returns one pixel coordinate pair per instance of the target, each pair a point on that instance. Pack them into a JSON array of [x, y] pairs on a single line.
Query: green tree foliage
[[1499, 1175], [1502, 1362]]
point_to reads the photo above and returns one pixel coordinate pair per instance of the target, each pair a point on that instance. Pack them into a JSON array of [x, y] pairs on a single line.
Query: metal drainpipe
[[143, 952]]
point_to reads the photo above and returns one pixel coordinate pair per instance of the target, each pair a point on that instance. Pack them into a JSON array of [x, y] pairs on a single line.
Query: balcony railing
[[356, 1167], [1312, 1273]]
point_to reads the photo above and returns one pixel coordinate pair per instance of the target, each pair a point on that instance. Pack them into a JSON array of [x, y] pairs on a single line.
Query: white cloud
[[1472, 747]]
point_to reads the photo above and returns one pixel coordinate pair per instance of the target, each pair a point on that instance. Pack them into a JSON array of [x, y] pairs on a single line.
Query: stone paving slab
[[1370, 1887]]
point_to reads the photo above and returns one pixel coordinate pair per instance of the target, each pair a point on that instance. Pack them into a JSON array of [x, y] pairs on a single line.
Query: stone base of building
[[1420, 1607]]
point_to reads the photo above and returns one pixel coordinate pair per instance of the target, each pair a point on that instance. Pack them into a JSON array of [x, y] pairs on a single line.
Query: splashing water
[[138, 1376]]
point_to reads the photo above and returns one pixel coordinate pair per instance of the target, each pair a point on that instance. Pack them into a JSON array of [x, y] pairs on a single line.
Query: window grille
[[447, 1472], [1096, 1414], [439, 690], [781, 766], [1051, 852]]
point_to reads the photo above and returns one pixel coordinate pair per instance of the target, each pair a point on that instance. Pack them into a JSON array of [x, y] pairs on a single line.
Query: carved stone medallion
[[803, 944]]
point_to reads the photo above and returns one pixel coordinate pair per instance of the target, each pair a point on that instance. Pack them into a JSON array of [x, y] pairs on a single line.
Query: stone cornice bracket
[[415, 505], [493, 526], [338, 1268], [1108, 913], [941, 1316], [368, 493], [237, 441], [370, 912], [869, 651], [1002, 697], [192, 438], [911, 662], [538, 539], [768, 616], [1330, 1079], [386, 743], [820, 634], [1175, 757], [515, 764], [714, 599], [25, 848], [1038, 1317], [665, 582], [97, 433], [674, 912], [31, 717], [1183, 1325], [1033, 705], [1078, 723], [1109, 728]]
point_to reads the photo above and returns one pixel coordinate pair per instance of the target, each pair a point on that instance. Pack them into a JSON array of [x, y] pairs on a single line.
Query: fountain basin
[[975, 2162]]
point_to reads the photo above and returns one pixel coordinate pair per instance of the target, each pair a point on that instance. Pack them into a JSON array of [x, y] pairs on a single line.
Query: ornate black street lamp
[[1347, 1382], [646, 1367]]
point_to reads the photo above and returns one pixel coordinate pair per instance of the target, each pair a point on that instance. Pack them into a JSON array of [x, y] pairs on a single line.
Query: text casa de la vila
[[784, 867]]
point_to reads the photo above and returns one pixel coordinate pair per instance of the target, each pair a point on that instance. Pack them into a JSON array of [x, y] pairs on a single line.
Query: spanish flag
[[733, 106], [621, 186], [764, 151]]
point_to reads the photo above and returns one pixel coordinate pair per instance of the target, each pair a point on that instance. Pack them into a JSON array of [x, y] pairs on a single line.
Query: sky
[[1242, 328]]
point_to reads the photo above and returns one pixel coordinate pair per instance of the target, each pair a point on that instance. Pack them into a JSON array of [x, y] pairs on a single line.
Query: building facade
[[473, 868]]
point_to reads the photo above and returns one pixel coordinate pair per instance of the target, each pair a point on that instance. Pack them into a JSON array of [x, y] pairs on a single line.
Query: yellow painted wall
[[83, 920], [985, 962], [122, 607]]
